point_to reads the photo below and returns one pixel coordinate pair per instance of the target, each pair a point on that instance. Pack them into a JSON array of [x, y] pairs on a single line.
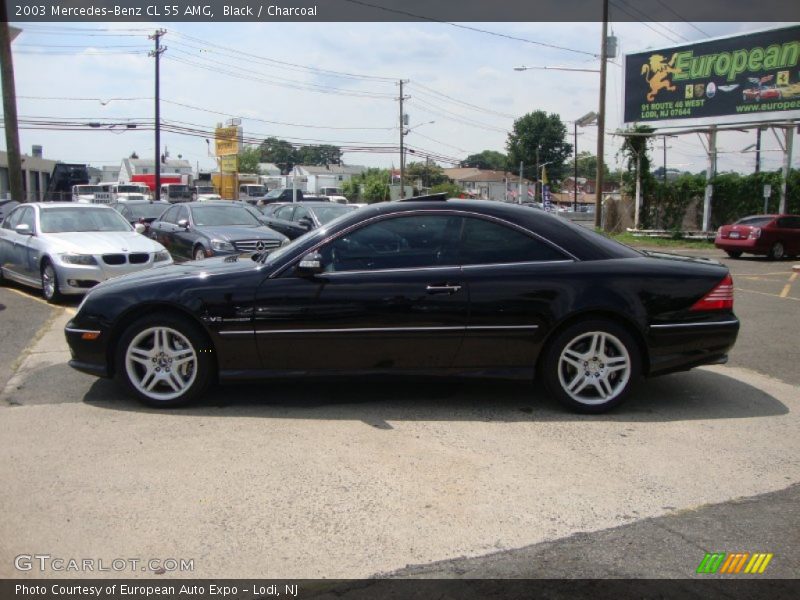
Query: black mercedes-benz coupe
[[425, 286]]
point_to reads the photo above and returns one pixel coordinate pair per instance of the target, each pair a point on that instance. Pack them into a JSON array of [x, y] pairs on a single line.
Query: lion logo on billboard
[[660, 71]]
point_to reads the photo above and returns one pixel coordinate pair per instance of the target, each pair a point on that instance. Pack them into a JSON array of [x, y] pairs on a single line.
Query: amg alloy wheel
[[590, 366], [164, 360]]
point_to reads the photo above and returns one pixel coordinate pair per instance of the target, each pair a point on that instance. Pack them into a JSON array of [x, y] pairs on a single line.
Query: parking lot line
[[785, 292], [787, 297], [24, 295]]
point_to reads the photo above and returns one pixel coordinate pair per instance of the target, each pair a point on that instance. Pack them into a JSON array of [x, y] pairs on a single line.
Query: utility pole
[[157, 55], [519, 183], [402, 137], [758, 150], [10, 111], [575, 180], [601, 120], [664, 138], [536, 183]]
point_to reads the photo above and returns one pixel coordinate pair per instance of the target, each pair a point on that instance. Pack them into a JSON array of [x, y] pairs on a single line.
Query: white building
[[110, 174], [314, 178], [36, 173]]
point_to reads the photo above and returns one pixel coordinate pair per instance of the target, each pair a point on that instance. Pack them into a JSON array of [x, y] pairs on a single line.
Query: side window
[[300, 212], [12, 220], [183, 213], [169, 216], [285, 213], [27, 218], [794, 222], [396, 243], [485, 242]]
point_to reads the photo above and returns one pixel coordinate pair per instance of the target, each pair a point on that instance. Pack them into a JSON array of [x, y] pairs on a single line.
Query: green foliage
[[249, 158], [543, 131], [671, 201], [736, 196], [370, 186], [429, 174], [587, 167], [451, 189], [286, 156], [488, 159], [638, 147]]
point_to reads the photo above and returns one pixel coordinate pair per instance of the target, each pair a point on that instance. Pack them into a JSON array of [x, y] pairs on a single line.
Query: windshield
[[86, 189], [177, 189], [205, 190], [147, 211], [255, 190], [129, 189], [223, 215], [754, 221], [326, 214], [274, 194], [67, 219]]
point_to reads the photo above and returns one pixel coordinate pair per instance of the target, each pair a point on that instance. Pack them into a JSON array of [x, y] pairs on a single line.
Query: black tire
[[199, 253], [49, 278], [197, 373], [733, 253], [619, 349], [777, 252]]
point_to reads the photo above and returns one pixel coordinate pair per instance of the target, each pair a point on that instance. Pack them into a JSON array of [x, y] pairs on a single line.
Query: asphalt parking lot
[[354, 479]]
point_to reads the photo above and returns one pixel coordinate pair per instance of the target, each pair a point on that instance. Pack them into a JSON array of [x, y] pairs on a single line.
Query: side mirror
[[184, 223], [310, 264], [23, 229], [306, 223], [139, 228]]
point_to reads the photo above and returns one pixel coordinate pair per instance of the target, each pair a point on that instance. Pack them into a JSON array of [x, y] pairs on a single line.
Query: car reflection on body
[[293, 219], [198, 230], [68, 248], [424, 286]]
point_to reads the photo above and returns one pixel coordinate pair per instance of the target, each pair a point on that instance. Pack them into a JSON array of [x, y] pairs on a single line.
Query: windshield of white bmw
[[68, 219]]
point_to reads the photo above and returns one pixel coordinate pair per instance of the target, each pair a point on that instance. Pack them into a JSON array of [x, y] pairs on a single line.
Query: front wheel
[[50, 289], [590, 366], [199, 253], [777, 251], [164, 360], [733, 253]]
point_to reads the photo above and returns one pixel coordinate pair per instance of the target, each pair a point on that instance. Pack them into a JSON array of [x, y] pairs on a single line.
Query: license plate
[[734, 235]]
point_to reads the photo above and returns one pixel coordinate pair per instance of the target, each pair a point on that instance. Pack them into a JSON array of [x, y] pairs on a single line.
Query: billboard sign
[[228, 140], [229, 163], [742, 78]]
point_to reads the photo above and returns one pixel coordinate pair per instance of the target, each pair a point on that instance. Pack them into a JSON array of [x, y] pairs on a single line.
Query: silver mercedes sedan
[[68, 248]]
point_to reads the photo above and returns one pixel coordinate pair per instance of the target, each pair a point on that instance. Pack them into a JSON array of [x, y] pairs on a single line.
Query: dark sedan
[[141, 211], [198, 230], [295, 218], [418, 287]]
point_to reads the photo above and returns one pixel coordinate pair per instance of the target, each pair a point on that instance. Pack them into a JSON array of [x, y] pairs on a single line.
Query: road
[[443, 479]]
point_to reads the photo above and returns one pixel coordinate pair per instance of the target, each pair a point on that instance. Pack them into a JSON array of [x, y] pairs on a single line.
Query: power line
[[651, 28], [445, 114], [670, 9], [470, 28], [434, 93]]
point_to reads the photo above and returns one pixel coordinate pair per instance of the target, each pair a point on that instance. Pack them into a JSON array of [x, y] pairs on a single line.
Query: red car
[[774, 236]]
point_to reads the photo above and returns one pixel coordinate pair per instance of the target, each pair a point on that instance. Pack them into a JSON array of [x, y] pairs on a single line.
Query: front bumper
[[88, 355], [79, 279]]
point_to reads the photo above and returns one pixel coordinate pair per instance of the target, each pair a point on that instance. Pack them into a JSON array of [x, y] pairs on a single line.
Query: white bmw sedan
[[68, 248]]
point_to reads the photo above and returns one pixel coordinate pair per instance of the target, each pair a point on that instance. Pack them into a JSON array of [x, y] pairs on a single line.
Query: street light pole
[[601, 120], [14, 157], [575, 179]]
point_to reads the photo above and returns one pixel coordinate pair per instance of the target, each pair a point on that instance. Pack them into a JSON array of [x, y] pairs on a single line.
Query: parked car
[[68, 248], [295, 219], [198, 230], [423, 286], [774, 236], [144, 212]]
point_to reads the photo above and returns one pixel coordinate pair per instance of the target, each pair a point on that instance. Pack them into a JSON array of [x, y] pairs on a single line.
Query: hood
[[234, 233], [177, 272], [101, 242]]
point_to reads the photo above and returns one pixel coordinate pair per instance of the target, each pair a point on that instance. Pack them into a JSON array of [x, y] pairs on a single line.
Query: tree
[[278, 151], [370, 186], [538, 130], [451, 189], [249, 158], [429, 174], [636, 149], [587, 167], [324, 154], [286, 156], [488, 159]]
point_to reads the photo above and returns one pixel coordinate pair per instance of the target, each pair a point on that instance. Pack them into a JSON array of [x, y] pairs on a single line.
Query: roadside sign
[[767, 190], [229, 163], [227, 140]]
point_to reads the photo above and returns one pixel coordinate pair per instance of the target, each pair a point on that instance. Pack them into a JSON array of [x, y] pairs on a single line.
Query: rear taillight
[[755, 233], [720, 298]]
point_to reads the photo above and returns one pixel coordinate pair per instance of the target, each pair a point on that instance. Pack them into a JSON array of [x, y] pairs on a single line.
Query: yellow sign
[[229, 163], [227, 140]]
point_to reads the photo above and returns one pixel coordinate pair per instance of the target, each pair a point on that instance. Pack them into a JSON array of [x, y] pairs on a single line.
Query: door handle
[[443, 289]]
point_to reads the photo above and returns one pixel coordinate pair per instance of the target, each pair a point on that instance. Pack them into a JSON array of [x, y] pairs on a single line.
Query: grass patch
[[632, 240]]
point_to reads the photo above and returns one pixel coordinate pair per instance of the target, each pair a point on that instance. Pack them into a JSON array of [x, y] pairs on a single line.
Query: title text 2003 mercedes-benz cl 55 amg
[[428, 286]]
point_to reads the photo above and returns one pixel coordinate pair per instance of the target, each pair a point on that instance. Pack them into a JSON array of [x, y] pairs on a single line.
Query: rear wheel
[[50, 289], [777, 251], [733, 253], [164, 360], [590, 366]]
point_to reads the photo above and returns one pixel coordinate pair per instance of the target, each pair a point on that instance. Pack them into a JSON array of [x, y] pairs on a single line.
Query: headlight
[[222, 246], [78, 259], [161, 256], [285, 242]]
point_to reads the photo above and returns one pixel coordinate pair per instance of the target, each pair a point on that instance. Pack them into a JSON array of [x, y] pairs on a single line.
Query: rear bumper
[[746, 245], [683, 346]]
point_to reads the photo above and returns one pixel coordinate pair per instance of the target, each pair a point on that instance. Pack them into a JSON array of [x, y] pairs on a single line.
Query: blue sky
[[107, 61]]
